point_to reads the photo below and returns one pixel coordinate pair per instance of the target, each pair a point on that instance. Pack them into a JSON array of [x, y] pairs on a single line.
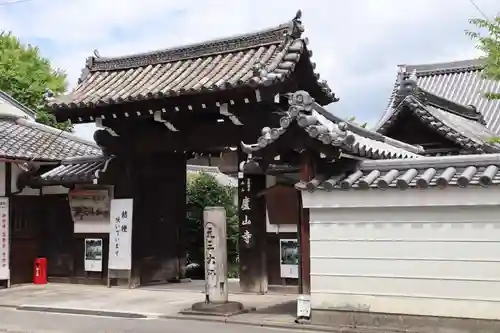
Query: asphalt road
[[14, 321]]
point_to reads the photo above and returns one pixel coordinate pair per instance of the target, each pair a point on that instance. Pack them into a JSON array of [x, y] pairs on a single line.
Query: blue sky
[[356, 44]]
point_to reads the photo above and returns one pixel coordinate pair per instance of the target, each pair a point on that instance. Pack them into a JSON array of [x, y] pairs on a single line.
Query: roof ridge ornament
[[85, 72], [297, 27], [408, 84]]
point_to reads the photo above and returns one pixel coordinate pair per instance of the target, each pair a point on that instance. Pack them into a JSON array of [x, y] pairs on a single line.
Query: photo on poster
[[93, 254], [289, 253]]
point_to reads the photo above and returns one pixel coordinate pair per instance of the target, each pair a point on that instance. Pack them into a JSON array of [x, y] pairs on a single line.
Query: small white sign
[[93, 255], [120, 236], [289, 254], [4, 239]]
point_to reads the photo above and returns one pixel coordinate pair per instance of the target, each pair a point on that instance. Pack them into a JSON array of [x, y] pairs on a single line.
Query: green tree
[[26, 75], [203, 190], [488, 41]]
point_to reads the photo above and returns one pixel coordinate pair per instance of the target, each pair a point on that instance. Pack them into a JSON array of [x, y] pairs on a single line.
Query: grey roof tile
[[477, 133], [441, 172], [22, 138], [328, 129], [77, 170], [460, 124], [85, 170], [461, 82], [256, 59]]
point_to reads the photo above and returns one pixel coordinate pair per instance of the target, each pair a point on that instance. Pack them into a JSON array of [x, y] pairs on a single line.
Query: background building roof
[[461, 82], [23, 138]]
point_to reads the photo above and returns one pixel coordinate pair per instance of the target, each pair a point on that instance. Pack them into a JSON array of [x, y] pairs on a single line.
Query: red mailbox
[[40, 273]]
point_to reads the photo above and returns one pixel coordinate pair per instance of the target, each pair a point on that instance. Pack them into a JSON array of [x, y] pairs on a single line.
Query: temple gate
[[156, 110]]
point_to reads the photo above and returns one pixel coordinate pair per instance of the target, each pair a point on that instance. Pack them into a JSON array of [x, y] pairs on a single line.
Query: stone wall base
[[403, 323]]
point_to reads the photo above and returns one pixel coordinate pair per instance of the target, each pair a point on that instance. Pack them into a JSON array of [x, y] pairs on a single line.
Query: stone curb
[[264, 324], [101, 313], [206, 318], [283, 325]]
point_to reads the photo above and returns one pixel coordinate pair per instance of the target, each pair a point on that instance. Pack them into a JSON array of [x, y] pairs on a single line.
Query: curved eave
[[446, 129], [460, 83], [328, 133]]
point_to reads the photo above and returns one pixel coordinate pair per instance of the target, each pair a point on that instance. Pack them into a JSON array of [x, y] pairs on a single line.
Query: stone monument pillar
[[216, 290], [214, 225]]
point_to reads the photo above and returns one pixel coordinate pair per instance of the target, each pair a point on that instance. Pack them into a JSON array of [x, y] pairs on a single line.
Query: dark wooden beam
[[199, 135], [190, 103]]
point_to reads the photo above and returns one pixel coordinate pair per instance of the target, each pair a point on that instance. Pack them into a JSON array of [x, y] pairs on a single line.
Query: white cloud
[[356, 44]]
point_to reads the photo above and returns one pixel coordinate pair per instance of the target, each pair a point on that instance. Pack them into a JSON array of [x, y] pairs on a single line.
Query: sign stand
[[4, 241], [120, 241]]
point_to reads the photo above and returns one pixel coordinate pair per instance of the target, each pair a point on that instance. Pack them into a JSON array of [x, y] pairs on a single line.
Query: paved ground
[[147, 302], [82, 308], [272, 310], [14, 321]]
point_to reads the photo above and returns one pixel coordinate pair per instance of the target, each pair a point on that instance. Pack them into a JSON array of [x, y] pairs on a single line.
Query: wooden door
[[24, 246]]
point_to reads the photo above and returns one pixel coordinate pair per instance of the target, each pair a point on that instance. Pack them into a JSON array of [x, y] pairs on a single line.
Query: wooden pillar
[[159, 216], [252, 234], [119, 175], [306, 174]]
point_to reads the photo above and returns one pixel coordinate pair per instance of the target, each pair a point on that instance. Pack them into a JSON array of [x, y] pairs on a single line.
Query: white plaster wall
[[92, 227], [27, 190], [432, 252], [48, 190]]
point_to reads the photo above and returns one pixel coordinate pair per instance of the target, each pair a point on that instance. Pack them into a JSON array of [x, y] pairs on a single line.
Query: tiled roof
[[9, 105], [442, 171], [82, 170], [261, 58], [328, 129], [22, 138], [460, 82], [221, 178], [458, 123], [86, 170]]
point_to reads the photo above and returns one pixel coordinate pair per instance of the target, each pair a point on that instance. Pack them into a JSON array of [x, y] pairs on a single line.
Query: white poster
[[93, 255], [4, 239], [289, 253], [120, 236], [89, 205]]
